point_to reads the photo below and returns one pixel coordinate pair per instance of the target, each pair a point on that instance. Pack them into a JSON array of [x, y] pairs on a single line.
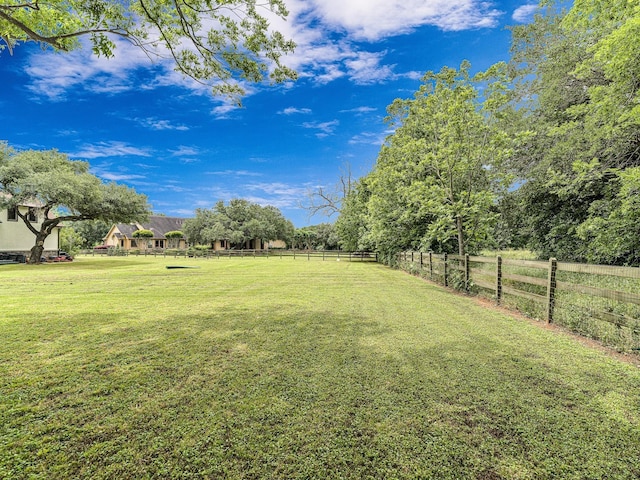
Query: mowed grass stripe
[[282, 368]]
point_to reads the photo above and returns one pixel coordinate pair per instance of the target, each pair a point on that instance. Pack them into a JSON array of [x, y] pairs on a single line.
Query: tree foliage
[[54, 183], [237, 222], [437, 177], [580, 69], [214, 42]]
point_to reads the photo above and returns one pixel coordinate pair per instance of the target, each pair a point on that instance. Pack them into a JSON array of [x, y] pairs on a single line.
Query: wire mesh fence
[[597, 301]]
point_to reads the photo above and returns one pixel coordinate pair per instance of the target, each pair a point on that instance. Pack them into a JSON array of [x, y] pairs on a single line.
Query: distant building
[[15, 236], [121, 234]]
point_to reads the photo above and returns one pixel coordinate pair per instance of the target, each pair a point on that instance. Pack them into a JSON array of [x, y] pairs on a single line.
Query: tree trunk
[[37, 249]]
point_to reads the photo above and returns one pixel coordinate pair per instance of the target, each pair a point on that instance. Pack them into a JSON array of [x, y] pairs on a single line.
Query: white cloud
[[324, 128], [368, 138], [359, 110], [109, 149], [119, 177], [235, 173], [278, 188], [157, 124], [524, 13], [222, 112], [335, 38], [184, 151], [373, 20], [294, 110]]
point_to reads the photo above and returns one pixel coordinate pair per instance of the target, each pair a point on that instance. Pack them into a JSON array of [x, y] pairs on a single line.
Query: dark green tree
[[65, 186]]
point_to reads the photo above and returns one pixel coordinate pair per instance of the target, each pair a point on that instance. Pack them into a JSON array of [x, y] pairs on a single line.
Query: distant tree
[[58, 184], [328, 201], [237, 222], [173, 238], [70, 240], [352, 226], [142, 237], [212, 42], [92, 232]]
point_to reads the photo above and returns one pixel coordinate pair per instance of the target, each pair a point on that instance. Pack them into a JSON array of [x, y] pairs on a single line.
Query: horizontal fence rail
[[598, 301], [272, 253]]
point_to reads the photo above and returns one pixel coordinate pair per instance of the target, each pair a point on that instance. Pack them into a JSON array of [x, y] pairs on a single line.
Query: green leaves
[[53, 182], [437, 178], [215, 43], [238, 222]]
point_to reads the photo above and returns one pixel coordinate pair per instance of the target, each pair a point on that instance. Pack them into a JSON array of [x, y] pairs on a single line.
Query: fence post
[[421, 262], [498, 279], [467, 273], [411, 256], [446, 273], [431, 265], [551, 288]]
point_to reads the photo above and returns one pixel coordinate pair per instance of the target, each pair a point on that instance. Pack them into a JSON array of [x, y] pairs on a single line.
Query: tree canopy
[[62, 190], [542, 152], [216, 43], [238, 223]]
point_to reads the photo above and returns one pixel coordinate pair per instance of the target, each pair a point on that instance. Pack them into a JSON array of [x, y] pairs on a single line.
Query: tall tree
[[579, 69], [214, 42], [57, 184], [440, 172]]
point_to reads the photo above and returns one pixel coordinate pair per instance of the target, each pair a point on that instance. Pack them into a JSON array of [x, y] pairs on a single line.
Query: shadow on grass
[[283, 392]]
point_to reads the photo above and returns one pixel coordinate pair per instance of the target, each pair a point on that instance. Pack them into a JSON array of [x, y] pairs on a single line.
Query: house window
[[32, 215], [159, 243], [134, 244], [12, 214]]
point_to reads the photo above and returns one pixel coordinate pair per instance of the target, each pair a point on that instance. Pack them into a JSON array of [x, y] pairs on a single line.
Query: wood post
[[446, 273], [467, 273], [498, 279], [431, 265], [551, 288]]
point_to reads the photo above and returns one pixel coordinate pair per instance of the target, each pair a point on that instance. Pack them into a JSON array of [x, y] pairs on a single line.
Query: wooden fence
[[599, 301], [210, 254]]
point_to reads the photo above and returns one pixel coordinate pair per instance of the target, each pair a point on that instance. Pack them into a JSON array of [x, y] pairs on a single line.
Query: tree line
[[541, 152]]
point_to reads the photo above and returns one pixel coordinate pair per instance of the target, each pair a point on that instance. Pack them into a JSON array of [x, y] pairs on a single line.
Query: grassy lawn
[[274, 368]]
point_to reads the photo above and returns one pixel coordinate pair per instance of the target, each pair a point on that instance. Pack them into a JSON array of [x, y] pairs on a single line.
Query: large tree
[[438, 176], [63, 190], [214, 42], [237, 222]]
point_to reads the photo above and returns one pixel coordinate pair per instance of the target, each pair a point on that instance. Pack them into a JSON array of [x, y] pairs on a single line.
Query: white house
[[15, 237]]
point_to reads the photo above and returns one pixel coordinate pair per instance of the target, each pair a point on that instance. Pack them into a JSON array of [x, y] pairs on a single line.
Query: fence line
[[302, 254], [585, 298]]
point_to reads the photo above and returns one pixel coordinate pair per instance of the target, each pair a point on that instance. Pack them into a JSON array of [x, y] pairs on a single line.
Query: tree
[[329, 201], [238, 222], [438, 176], [70, 240], [58, 184], [611, 234], [143, 236], [174, 237], [352, 226], [92, 232], [212, 42], [579, 70]]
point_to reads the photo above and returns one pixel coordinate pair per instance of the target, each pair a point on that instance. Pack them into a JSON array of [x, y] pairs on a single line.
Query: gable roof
[[158, 224]]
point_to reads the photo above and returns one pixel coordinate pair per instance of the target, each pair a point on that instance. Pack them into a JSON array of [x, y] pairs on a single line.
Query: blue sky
[[139, 123]]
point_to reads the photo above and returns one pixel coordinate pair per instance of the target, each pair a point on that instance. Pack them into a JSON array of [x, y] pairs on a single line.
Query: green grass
[[281, 368]]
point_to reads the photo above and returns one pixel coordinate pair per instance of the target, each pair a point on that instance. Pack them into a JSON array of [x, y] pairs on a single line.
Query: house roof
[[158, 224]]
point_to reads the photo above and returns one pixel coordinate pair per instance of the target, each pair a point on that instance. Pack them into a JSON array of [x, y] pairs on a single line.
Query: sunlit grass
[[282, 368]]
